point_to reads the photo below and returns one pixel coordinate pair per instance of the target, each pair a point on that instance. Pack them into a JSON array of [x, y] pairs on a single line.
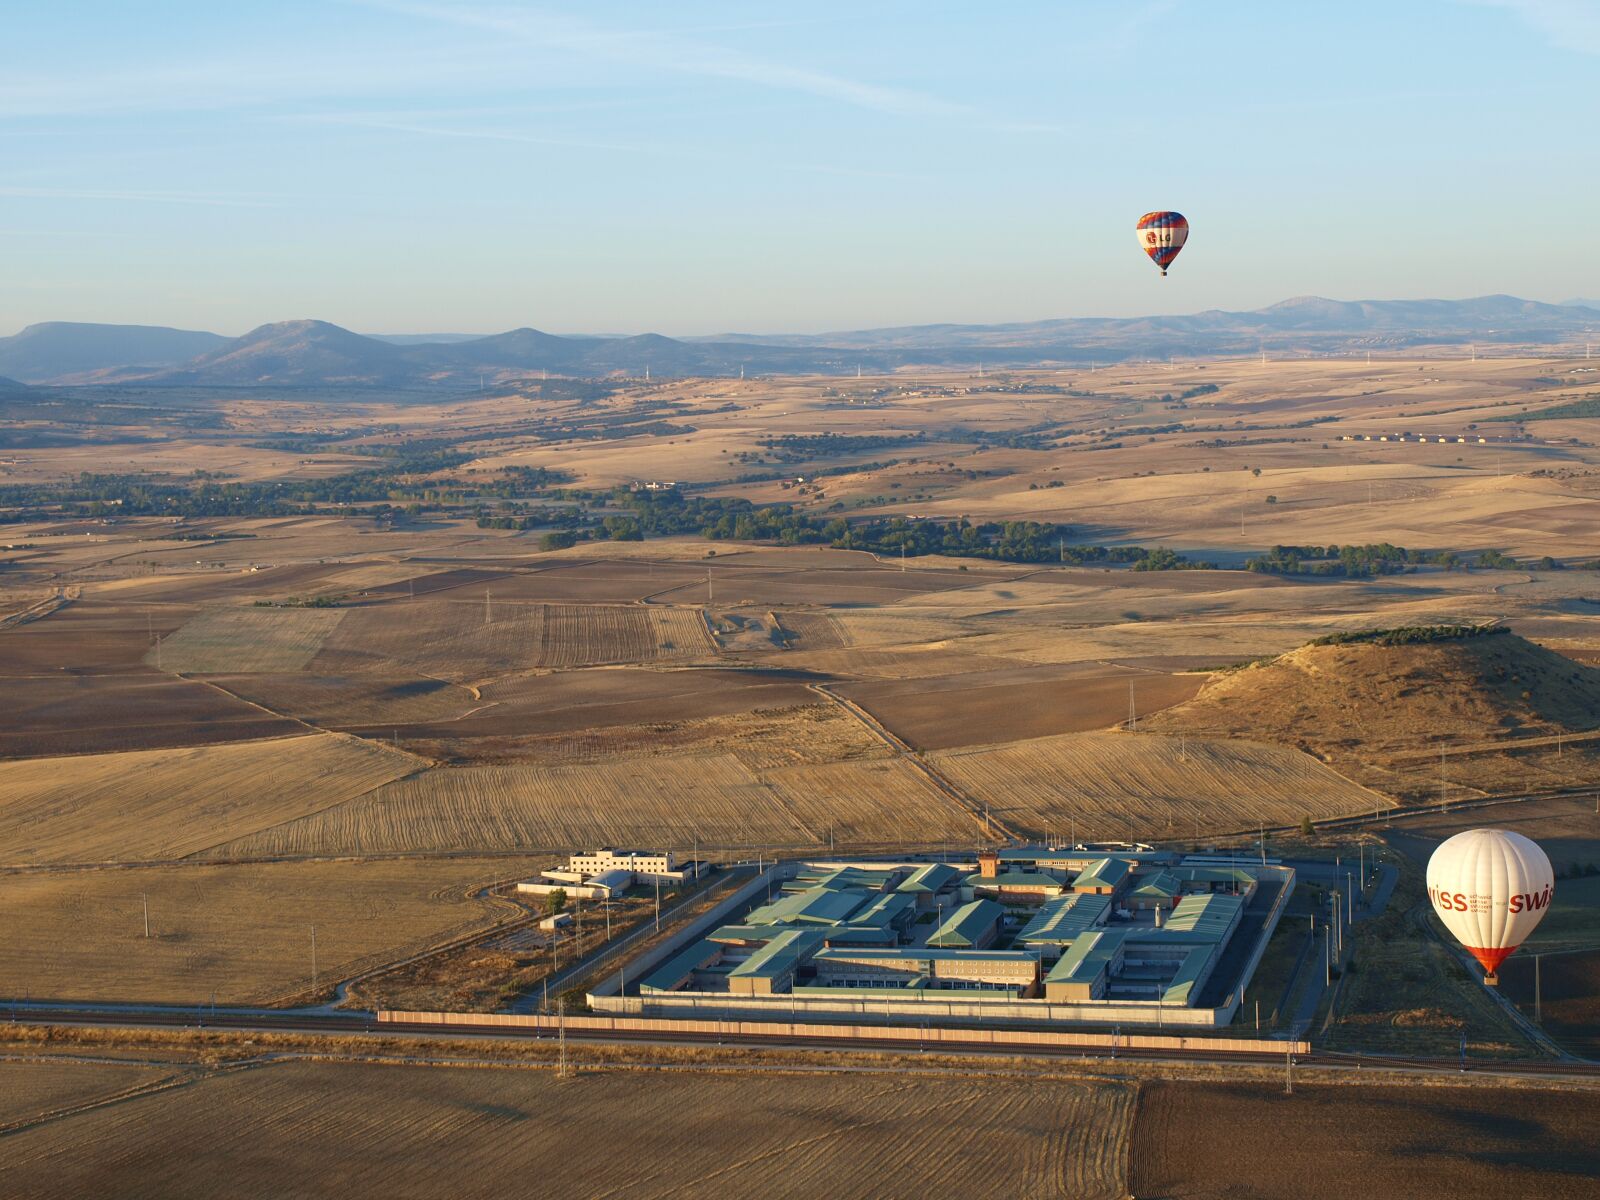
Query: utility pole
[[1288, 1071], [488, 613], [146, 898], [1133, 716], [313, 958], [561, 1035], [658, 904]]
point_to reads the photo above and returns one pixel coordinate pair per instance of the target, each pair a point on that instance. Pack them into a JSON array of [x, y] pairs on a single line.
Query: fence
[[1021, 1039]]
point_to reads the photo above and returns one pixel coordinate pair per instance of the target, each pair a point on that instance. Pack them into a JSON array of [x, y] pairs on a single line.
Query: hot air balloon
[[1491, 888], [1162, 234]]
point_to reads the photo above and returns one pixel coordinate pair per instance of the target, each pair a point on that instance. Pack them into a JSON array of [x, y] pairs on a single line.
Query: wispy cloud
[[674, 52], [120, 195], [1570, 24], [483, 135]]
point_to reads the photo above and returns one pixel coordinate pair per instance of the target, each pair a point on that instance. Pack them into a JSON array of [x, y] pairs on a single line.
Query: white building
[[648, 865]]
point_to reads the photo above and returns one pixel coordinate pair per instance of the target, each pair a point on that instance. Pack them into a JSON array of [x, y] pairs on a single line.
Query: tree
[[556, 901], [1305, 827]]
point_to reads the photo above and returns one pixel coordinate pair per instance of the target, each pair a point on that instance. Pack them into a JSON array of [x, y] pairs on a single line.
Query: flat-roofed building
[[649, 865]]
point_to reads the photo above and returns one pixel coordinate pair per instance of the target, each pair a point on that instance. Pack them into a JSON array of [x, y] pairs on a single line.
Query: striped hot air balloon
[[1491, 888], [1162, 234]]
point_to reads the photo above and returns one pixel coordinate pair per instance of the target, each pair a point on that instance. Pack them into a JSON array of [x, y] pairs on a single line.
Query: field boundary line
[[903, 751]]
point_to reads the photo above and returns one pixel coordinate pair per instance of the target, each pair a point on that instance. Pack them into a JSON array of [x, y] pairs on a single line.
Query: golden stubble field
[[239, 932], [383, 1131]]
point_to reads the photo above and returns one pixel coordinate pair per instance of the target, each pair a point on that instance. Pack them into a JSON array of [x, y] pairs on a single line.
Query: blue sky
[[435, 165]]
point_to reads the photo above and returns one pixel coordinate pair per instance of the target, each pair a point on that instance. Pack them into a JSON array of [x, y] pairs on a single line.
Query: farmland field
[[28, 1090], [377, 1131], [1340, 1141], [1132, 786], [468, 641], [1568, 992], [660, 800], [228, 640], [1030, 702], [72, 713], [241, 931], [156, 804]]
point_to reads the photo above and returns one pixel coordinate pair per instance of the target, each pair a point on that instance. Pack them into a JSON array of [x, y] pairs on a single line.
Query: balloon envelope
[[1162, 234], [1491, 888]]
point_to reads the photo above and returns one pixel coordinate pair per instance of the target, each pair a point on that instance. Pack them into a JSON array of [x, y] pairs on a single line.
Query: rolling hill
[[318, 354], [1384, 712], [68, 351]]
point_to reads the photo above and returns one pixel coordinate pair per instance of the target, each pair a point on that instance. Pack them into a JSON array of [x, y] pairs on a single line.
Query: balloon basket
[[1491, 980]]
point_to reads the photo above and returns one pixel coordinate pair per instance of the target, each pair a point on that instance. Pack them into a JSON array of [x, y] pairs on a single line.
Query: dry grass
[[29, 1090], [155, 804], [239, 640], [1391, 709], [1142, 786], [387, 1131], [667, 800], [242, 931]]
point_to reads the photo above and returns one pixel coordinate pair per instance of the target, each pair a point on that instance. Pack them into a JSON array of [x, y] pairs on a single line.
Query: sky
[[404, 166]]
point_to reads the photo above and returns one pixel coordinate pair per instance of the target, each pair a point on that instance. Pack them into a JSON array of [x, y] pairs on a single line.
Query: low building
[[1103, 877], [927, 885], [648, 865], [556, 921], [1061, 921], [971, 927], [1011, 972], [771, 969], [1155, 891], [605, 886], [1017, 887]]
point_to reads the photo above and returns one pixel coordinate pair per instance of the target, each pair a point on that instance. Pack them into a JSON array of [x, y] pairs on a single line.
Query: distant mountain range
[[316, 354]]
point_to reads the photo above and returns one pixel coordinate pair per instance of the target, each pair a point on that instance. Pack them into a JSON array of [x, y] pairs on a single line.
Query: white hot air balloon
[[1491, 888]]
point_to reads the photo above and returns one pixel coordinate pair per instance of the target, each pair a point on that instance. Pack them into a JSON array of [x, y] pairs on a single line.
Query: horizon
[[779, 333], [430, 166]]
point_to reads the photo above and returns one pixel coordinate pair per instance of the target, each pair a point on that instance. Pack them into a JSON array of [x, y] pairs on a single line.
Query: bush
[[559, 539]]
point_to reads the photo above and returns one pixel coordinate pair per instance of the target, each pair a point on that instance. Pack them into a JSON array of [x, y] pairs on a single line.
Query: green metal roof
[[886, 910], [1061, 920], [1182, 985], [1162, 883], [818, 906], [925, 954], [967, 924], [1103, 872], [680, 966], [861, 935], [1210, 916], [1234, 875], [1088, 956], [781, 955], [935, 877], [838, 878]]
